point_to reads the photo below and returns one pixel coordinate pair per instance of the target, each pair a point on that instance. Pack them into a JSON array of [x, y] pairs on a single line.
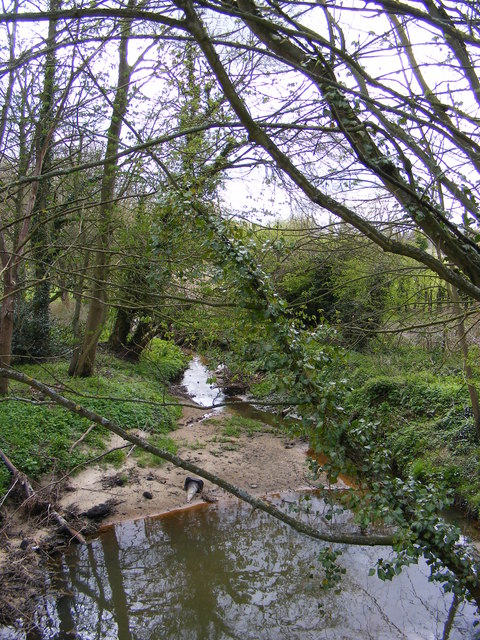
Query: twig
[[82, 437], [10, 489]]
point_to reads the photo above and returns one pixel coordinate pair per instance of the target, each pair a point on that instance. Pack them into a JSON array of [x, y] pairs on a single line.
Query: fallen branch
[[325, 536], [82, 437], [10, 489], [21, 478]]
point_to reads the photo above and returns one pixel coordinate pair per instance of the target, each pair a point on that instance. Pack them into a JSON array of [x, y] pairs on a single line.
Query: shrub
[[164, 359]]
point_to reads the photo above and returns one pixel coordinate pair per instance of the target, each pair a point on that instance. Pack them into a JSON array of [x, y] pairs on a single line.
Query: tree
[[83, 361], [346, 135], [38, 322], [380, 128], [12, 256]]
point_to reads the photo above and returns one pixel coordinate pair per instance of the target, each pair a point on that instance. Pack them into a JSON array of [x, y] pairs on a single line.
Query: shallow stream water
[[225, 572], [197, 383]]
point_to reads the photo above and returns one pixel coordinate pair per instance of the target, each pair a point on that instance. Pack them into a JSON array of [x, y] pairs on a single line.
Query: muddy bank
[[260, 462]]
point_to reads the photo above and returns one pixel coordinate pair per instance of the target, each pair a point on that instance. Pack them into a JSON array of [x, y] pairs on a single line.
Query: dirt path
[[260, 461]]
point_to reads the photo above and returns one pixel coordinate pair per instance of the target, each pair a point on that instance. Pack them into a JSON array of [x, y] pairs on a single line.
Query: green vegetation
[[112, 205], [231, 431], [419, 401], [235, 425], [146, 459], [38, 437], [162, 359]]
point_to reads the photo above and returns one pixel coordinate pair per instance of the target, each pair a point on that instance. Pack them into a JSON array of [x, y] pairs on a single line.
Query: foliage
[[343, 278], [388, 154], [28, 326], [163, 359], [42, 436], [423, 417]]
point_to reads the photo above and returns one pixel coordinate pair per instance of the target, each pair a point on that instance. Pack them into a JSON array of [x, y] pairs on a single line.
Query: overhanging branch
[[325, 536]]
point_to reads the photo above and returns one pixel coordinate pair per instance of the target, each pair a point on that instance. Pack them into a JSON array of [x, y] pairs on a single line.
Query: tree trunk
[[142, 336], [40, 306], [131, 347], [119, 336], [97, 312], [76, 314], [462, 339], [84, 365], [6, 325]]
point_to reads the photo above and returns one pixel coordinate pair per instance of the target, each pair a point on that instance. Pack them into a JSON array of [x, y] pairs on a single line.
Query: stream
[[227, 572]]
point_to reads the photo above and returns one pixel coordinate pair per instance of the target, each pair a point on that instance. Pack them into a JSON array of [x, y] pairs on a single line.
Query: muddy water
[[224, 573]]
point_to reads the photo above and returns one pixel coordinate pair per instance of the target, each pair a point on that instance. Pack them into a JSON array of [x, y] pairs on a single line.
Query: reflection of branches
[[381, 612], [452, 612]]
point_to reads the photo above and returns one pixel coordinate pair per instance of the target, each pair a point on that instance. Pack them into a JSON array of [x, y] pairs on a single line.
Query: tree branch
[[325, 536]]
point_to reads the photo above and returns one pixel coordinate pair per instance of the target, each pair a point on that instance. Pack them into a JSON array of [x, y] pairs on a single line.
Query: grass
[[38, 437], [239, 424], [146, 459], [194, 446], [232, 431]]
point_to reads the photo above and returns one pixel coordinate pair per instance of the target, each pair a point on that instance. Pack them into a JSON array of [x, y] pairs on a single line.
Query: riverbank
[[237, 443], [248, 453]]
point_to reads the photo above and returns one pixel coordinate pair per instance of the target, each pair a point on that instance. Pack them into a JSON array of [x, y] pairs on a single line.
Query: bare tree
[[83, 361]]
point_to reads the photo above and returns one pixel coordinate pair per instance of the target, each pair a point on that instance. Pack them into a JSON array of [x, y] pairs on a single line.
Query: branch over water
[[361, 539]]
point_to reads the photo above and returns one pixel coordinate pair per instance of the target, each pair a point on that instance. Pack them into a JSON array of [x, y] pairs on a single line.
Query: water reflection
[[226, 572]]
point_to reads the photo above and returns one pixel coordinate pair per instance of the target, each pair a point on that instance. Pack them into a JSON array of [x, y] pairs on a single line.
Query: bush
[[425, 417], [163, 359]]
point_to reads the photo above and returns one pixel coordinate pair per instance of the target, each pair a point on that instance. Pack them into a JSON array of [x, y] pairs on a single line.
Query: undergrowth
[[420, 402], [37, 436]]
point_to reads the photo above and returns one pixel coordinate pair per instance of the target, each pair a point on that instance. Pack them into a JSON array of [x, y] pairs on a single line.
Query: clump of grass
[[195, 446], [212, 421], [146, 459], [230, 446], [116, 458], [232, 431], [235, 425]]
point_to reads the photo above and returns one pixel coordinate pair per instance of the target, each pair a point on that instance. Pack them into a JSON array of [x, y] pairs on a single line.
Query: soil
[[263, 462]]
